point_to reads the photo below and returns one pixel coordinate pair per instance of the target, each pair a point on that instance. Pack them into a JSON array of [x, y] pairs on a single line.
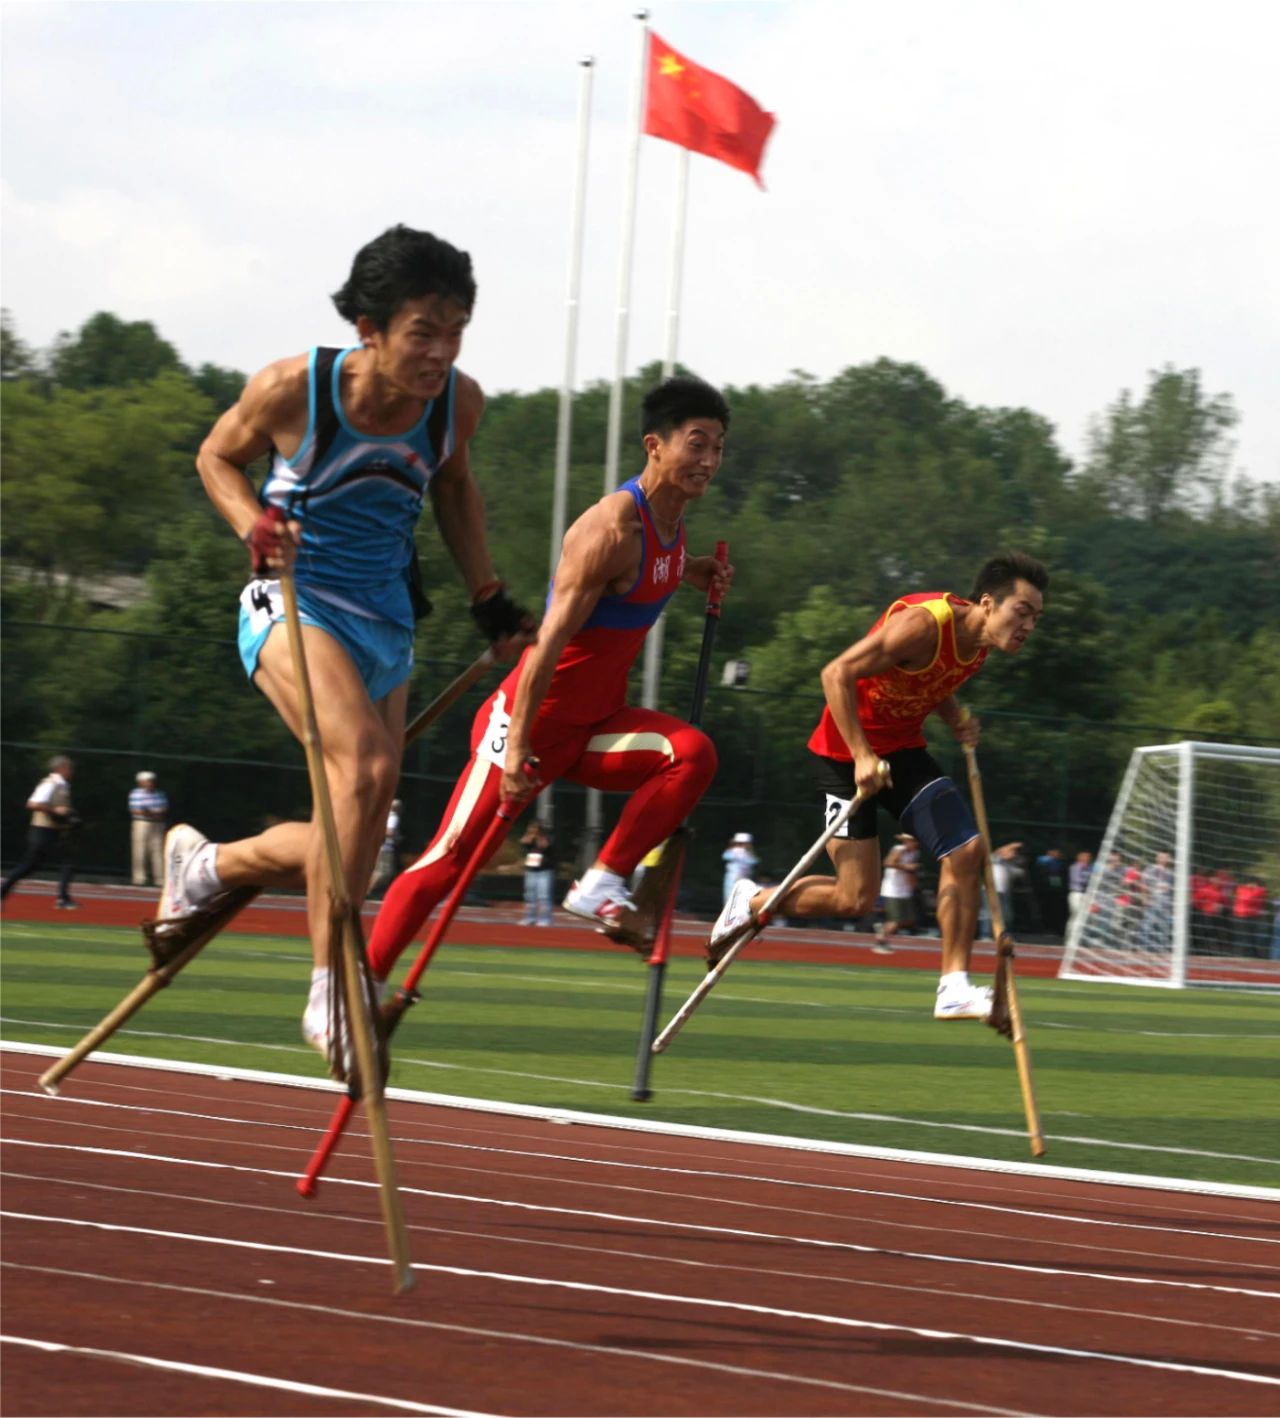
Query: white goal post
[[1185, 887]]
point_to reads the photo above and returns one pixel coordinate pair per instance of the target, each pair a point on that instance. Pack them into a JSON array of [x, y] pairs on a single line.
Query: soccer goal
[[1185, 885]]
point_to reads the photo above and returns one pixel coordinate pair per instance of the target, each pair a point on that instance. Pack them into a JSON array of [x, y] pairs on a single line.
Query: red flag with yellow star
[[702, 111]]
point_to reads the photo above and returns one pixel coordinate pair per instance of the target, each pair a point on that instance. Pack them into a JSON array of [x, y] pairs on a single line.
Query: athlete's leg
[[665, 764], [361, 761], [959, 879], [851, 892]]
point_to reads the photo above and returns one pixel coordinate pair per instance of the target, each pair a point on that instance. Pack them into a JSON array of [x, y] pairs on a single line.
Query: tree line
[[835, 496]]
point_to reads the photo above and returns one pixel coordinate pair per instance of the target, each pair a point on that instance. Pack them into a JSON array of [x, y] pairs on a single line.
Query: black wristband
[[499, 615]]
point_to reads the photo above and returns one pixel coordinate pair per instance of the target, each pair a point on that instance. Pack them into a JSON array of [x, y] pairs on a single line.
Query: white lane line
[[1060, 1218], [236, 1376], [719, 1199], [664, 1224], [654, 1127], [507, 1238], [663, 1298], [644, 1356]]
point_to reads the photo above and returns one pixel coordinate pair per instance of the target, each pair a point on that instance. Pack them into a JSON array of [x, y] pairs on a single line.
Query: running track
[[158, 1261]]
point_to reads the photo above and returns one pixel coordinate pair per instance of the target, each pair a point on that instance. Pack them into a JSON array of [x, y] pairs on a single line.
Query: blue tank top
[[358, 496]]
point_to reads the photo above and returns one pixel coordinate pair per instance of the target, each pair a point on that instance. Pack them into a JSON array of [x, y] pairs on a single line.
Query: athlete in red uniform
[[564, 704], [879, 693]]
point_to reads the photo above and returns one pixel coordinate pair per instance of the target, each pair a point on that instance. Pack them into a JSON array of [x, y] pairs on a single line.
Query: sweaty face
[[690, 454], [418, 348], [1011, 620]]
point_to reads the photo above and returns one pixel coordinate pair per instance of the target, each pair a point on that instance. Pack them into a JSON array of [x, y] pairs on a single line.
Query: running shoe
[[603, 906], [181, 843], [963, 1002], [732, 919]]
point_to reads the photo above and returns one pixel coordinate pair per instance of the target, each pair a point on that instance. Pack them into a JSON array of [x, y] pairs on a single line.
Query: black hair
[[677, 400], [997, 574], [401, 265]]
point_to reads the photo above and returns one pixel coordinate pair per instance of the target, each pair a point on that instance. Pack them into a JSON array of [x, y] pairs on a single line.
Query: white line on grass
[[782, 1104]]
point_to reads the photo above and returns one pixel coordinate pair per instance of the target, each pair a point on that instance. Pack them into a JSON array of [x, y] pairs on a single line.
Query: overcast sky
[[1037, 202]]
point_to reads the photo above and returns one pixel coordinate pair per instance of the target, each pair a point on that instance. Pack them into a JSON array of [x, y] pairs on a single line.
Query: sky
[[1038, 203]]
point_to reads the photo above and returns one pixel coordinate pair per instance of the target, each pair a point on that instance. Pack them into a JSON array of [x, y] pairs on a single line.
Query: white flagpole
[[564, 427], [594, 811], [625, 261], [675, 277]]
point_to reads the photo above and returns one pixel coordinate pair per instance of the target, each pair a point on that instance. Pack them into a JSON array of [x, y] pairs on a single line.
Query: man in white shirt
[[52, 817], [898, 891]]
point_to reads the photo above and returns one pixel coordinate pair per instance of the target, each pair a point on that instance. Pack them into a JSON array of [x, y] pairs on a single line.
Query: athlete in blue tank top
[[357, 437]]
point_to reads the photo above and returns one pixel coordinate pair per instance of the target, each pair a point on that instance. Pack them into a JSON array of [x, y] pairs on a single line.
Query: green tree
[[1168, 450], [107, 352]]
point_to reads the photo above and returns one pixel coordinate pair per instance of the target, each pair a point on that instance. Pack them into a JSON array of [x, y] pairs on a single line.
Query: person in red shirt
[[1249, 917], [879, 693], [564, 705]]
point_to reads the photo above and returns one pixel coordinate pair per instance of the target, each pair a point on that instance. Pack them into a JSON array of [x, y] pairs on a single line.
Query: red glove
[[264, 539]]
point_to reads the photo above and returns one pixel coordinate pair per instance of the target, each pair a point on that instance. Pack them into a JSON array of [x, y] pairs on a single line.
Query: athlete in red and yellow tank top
[[893, 706]]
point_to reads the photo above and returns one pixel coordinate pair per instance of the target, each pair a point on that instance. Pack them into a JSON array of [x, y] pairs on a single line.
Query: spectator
[[740, 861], [387, 867], [1207, 905], [898, 891], [539, 875], [148, 809], [1051, 889], [1157, 903], [1249, 916], [1004, 867], [52, 820], [1078, 882], [1224, 918]]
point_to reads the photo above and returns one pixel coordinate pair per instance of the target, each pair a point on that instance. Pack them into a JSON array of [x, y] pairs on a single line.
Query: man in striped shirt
[[148, 809]]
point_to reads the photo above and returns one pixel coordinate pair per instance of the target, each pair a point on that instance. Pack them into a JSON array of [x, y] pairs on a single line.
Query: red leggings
[[664, 763]]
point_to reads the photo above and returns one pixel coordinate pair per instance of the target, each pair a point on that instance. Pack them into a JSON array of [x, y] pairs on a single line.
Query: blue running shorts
[[381, 651]]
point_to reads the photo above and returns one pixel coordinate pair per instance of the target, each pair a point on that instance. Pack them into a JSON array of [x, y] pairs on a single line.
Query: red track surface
[[284, 915], [584, 1270]]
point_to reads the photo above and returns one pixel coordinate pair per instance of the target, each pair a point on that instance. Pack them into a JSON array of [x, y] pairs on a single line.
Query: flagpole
[[675, 282], [564, 426], [594, 811]]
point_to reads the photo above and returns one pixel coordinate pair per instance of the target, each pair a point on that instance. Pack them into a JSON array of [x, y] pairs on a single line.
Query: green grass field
[[1172, 1083]]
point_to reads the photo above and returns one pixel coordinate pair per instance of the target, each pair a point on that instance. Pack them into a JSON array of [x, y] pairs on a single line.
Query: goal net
[[1185, 887]]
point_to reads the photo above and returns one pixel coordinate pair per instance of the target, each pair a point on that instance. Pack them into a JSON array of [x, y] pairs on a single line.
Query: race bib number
[[262, 603], [835, 806], [492, 747]]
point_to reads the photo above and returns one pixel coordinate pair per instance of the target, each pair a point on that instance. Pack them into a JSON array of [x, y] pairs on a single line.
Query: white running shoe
[[316, 1020], [181, 843], [737, 910], [963, 1002], [603, 906]]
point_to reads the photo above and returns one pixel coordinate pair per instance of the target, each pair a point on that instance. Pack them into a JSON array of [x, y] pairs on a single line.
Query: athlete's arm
[[600, 550], [271, 412], [909, 639]]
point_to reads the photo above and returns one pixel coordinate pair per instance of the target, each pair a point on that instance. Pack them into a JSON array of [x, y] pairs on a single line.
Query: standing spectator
[[52, 818], [1249, 916], [1051, 889], [740, 860], [539, 875], [148, 809], [898, 891], [1224, 918], [1078, 874], [1004, 863], [388, 863], [1157, 903]]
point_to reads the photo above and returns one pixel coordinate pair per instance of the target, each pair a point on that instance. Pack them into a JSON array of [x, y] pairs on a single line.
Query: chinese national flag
[[699, 110]]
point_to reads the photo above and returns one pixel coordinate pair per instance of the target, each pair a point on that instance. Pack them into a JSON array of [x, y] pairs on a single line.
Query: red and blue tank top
[[590, 679]]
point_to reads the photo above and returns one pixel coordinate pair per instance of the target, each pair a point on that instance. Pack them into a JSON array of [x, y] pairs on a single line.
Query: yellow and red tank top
[[893, 706], [590, 678]]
